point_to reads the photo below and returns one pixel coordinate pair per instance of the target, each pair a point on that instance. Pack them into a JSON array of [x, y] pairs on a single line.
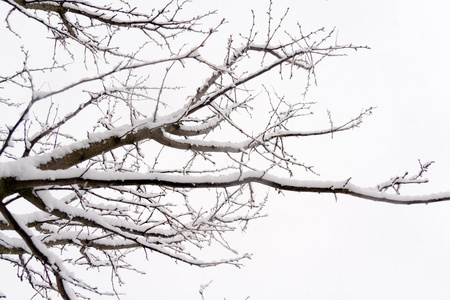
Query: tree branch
[[93, 179]]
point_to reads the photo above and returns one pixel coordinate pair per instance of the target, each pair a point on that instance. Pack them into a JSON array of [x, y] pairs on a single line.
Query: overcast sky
[[312, 246]]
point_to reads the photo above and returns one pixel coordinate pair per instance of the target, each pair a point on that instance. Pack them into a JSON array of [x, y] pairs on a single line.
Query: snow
[[25, 170], [37, 95], [202, 126], [11, 242], [211, 145], [54, 261]]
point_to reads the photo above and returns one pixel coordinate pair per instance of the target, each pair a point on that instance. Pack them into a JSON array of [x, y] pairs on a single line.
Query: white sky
[[312, 247]]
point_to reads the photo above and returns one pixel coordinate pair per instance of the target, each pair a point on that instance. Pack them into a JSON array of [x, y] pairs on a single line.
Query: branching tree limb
[[107, 142]]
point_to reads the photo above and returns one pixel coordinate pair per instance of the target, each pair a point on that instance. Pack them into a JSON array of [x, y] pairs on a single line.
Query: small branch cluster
[[396, 182]]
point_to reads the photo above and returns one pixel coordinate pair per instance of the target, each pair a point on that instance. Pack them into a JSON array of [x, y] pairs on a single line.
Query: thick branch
[[88, 149], [37, 251], [100, 14], [93, 179], [197, 145], [61, 242]]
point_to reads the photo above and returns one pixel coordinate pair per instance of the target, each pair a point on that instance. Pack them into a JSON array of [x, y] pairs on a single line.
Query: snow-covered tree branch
[[113, 125]]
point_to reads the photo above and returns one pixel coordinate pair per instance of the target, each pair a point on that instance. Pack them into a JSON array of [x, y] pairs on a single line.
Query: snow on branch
[[93, 179], [131, 130]]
